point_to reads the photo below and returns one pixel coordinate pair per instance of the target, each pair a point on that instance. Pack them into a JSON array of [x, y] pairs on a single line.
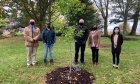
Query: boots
[[51, 61], [95, 64], [45, 62]]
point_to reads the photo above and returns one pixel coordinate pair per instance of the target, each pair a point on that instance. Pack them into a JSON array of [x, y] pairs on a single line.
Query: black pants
[[77, 47], [116, 55], [94, 54]]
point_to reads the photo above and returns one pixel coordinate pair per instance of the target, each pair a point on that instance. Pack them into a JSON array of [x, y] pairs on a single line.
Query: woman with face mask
[[94, 42], [116, 41]]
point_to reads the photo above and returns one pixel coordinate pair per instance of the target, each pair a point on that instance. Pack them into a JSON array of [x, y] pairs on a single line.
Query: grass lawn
[[13, 69]]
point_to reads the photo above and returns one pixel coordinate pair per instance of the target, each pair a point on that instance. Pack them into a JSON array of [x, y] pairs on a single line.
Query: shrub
[[1, 32], [6, 35], [127, 28], [13, 34]]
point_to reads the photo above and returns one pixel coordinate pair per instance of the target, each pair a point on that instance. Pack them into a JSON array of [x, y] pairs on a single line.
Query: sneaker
[[28, 65], [114, 66], [117, 66]]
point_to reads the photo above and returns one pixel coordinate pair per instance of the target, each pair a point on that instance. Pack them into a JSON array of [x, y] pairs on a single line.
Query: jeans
[[94, 54], [46, 48], [77, 47]]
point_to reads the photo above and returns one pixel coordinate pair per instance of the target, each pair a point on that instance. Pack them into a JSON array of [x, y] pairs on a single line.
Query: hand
[[44, 43], [97, 46], [31, 40], [75, 40], [34, 40]]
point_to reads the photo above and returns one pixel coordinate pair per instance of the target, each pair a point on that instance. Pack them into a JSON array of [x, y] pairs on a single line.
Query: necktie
[[32, 30]]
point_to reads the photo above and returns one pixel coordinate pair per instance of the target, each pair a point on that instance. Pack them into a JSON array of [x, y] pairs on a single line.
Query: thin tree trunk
[[49, 15], [134, 27], [105, 23], [125, 20], [105, 27]]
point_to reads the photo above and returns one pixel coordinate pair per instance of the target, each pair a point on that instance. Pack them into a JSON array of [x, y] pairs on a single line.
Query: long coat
[[28, 36], [96, 39], [119, 43]]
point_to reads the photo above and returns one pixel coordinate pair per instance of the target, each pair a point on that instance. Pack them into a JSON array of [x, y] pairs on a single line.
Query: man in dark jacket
[[48, 38], [80, 41]]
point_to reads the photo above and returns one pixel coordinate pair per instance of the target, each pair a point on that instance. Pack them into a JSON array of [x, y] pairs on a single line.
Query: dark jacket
[[119, 43], [48, 37], [83, 37]]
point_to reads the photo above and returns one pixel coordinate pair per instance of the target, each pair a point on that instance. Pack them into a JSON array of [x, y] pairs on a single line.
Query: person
[[48, 38], [31, 34], [80, 41], [94, 43], [116, 41]]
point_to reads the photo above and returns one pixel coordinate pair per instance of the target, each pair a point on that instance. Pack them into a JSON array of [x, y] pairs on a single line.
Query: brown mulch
[[2, 37], [131, 39], [138, 82], [59, 76], [126, 39], [105, 45]]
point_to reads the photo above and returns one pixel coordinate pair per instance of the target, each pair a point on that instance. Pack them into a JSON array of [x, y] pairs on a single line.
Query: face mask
[[48, 26], [94, 28], [32, 23], [116, 31], [81, 24]]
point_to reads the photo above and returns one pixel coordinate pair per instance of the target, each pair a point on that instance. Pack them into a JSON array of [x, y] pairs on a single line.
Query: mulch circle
[[2, 37], [126, 39], [59, 76], [131, 39], [105, 45]]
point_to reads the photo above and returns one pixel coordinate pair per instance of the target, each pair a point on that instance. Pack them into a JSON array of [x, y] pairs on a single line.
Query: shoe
[[45, 62], [51, 61], [82, 62], [33, 65], [114, 66], [117, 66], [75, 63], [95, 64], [28, 65]]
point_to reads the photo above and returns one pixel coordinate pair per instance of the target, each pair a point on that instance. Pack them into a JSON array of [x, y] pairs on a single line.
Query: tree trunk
[[49, 15], [105, 27], [134, 27], [124, 26], [105, 19], [125, 20]]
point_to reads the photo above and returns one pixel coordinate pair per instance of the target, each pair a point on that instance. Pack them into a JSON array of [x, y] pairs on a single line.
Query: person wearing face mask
[[31, 34], [48, 38], [116, 41], [80, 41], [94, 42]]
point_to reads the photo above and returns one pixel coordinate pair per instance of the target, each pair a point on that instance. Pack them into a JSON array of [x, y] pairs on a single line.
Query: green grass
[[13, 69]]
